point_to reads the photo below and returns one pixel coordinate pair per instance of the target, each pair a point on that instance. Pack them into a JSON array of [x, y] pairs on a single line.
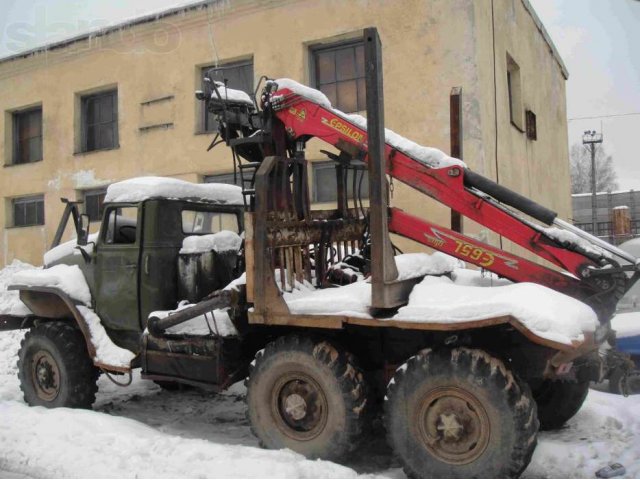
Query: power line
[[605, 116]]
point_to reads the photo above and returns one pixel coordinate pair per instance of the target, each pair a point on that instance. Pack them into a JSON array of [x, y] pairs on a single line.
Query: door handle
[[146, 264]]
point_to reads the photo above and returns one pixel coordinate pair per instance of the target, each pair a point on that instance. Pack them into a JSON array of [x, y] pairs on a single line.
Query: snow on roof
[[432, 157], [223, 241], [144, 188], [231, 94], [68, 278]]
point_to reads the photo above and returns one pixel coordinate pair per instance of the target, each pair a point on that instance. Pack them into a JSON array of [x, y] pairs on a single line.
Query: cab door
[[118, 266]]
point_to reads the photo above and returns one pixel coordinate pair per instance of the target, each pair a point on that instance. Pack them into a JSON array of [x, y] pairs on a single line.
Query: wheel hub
[[453, 425], [46, 375], [299, 406]]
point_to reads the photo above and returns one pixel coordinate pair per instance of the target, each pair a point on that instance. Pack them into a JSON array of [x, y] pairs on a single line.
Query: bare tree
[[580, 160]]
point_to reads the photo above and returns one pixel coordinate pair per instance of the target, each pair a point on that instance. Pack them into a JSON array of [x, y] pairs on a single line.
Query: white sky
[[596, 39]]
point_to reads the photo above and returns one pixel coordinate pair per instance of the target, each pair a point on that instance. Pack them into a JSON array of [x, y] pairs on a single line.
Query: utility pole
[[591, 138]]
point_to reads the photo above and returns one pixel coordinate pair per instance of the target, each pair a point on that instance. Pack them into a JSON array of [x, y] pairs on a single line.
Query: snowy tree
[[580, 160]]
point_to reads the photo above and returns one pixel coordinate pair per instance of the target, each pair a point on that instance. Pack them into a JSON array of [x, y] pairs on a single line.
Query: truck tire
[[308, 396], [54, 367], [460, 414], [558, 402]]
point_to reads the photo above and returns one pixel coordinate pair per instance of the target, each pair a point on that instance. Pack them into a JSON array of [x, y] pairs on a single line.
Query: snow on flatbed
[[464, 297], [144, 431]]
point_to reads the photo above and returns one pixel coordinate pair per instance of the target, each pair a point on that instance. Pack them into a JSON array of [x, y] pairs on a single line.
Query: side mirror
[[83, 229]]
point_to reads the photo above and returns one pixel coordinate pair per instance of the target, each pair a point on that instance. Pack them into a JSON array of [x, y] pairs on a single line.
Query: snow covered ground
[[143, 431]]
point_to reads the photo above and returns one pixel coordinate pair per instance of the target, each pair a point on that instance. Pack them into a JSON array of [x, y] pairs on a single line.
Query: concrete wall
[[428, 48]]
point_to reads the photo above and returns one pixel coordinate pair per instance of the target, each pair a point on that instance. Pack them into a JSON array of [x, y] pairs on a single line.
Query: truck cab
[[134, 266]]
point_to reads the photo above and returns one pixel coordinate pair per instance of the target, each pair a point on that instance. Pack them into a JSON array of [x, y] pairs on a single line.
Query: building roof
[[204, 4]]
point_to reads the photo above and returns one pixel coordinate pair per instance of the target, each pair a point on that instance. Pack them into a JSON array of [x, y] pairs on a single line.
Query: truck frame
[[461, 399]]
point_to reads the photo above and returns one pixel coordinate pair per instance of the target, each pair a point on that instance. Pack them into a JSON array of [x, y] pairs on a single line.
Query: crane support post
[[383, 267]]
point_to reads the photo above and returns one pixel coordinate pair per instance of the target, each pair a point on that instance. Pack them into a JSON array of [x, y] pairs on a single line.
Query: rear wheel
[[460, 414], [55, 369], [307, 396], [559, 401]]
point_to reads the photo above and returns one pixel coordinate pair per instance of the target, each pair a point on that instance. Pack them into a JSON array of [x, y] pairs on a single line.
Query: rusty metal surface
[[37, 299], [383, 266], [456, 138]]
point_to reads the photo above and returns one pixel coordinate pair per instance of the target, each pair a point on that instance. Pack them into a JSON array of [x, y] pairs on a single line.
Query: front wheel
[[460, 414], [55, 369], [308, 396], [559, 401]]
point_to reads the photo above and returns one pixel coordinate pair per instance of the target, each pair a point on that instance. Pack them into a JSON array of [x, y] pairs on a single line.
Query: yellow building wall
[[429, 46]]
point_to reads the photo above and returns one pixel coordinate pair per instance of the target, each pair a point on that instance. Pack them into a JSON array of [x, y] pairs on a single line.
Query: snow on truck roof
[[144, 188], [429, 156]]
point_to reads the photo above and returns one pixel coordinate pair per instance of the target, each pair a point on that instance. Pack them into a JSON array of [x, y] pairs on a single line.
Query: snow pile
[[311, 93], [223, 241], [564, 237], [10, 303], [354, 300], [606, 430], [350, 300], [231, 95], [107, 352], [65, 443], [429, 156], [69, 248], [626, 324], [216, 323], [545, 312], [143, 188], [68, 278], [477, 278], [414, 265]]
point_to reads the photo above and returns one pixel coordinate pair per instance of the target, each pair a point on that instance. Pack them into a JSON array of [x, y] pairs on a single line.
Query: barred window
[[325, 183], [94, 203], [339, 74], [100, 121], [27, 136], [28, 211], [238, 76]]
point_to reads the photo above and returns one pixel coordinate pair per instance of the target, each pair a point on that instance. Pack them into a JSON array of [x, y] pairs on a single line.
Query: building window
[[27, 136], [226, 178], [100, 121], [28, 211], [325, 183], [94, 203], [238, 76], [339, 74], [531, 124], [514, 86]]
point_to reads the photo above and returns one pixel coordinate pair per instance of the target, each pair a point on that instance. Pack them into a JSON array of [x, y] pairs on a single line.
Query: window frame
[[15, 119], [204, 117], [314, 70], [210, 179], [330, 165], [84, 124], [101, 206], [38, 199], [514, 94]]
